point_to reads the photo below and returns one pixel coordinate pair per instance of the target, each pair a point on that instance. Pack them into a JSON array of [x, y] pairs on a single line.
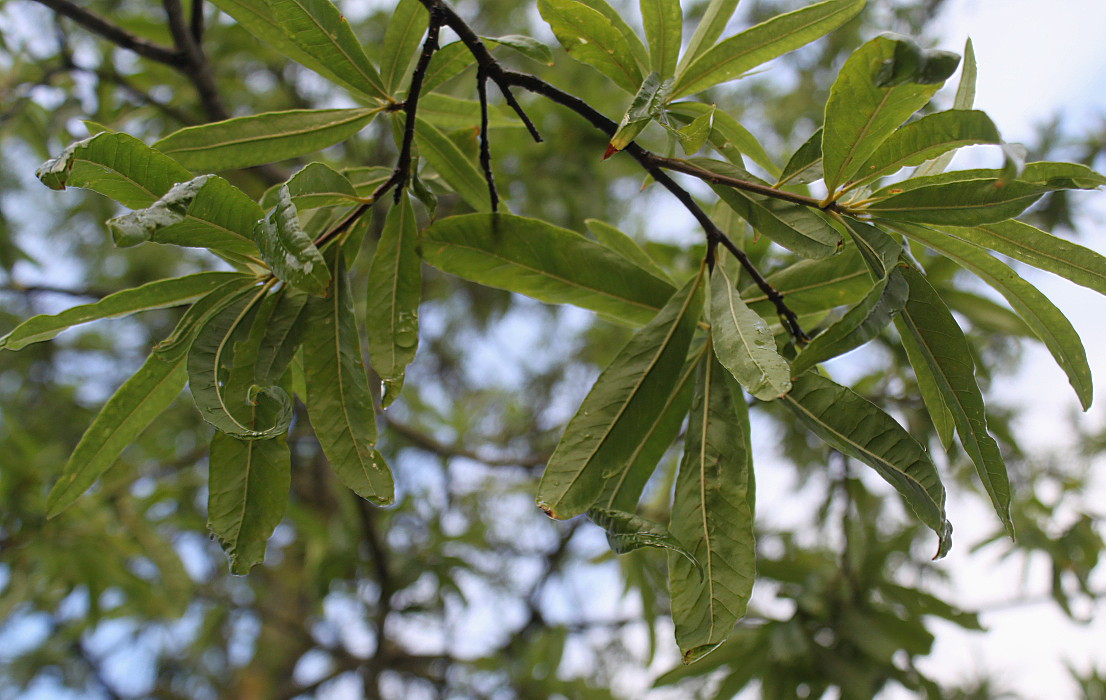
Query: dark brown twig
[[485, 147], [98, 25]]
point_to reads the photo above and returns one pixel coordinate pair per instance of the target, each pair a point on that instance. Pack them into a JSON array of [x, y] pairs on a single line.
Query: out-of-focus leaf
[[401, 41], [858, 428], [551, 264], [590, 37], [710, 27], [627, 532], [243, 142], [739, 54], [339, 402], [160, 294], [742, 341], [859, 325], [288, 250], [205, 212], [600, 441], [450, 113], [453, 165], [394, 293], [860, 114], [115, 165], [528, 46], [446, 63], [664, 25], [129, 411], [712, 515]]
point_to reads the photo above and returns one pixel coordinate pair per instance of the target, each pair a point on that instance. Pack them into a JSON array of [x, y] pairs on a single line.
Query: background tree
[[461, 588]]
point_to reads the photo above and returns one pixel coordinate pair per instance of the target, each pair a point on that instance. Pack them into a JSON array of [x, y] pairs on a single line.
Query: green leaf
[[248, 487], [741, 53], [394, 293], [454, 166], [727, 135], [860, 114], [647, 104], [599, 442], [526, 45], [160, 294], [1048, 175], [129, 411], [176, 345], [694, 135], [590, 37], [1047, 322], [946, 353], [859, 325], [446, 63], [811, 286], [205, 212], [115, 165], [664, 26], [315, 185], [742, 341], [283, 335], [712, 515], [243, 142], [960, 203], [798, 228], [627, 532], [318, 29], [401, 42], [339, 402], [965, 99], [453, 113], [1042, 250], [212, 360], [629, 35], [926, 138], [545, 262], [288, 250], [805, 164], [858, 428], [713, 22], [910, 63], [625, 246]]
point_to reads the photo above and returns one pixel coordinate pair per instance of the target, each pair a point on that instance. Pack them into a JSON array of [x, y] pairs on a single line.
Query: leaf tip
[[697, 653]]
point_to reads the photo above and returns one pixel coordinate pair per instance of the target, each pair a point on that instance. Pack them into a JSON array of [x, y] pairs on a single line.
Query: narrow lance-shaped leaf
[[713, 22], [625, 246], [205, 212], [115, 165], [945, 350], [627, 532], [599, 442], [861, 114], [664, 24], [856, 427], [726, 134], [1047, 322], [401, 41], [160, 294], [963, 203], [455, 168], [1047, 174], [547, 263], [394, 293], [741, 53], [129, 411], [810, 286], [528, 46], [629, 34], [339, 402], [243, 142], [590, 37], [859, 325], [176, 344], [288, 250], [315, 185], [965, 99], [742, 341], [712, 515], [805, 164]]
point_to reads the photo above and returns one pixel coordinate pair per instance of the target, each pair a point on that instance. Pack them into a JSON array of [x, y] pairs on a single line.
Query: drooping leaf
[[860, 114], [929, 388], [528, 46], [859, 325], [715, 18], [339, 402], [205, 212], [401, 42], [600, 441], [1047, 322], [129, 411], [460, 173], [965, 99], [627, 532], [946, 353], [712, 515], [590, 37], [625, 246], [926, 138], [741, 53], [394, 293], [176, 345], [160, 294], [550, 264], [727, 134], [664, 26], [288, 250], [283, 335], [243, 142], [315, 185], [248, 483], [965, 203], [115, 165], [805, 164], [742, 341], [858, 428]]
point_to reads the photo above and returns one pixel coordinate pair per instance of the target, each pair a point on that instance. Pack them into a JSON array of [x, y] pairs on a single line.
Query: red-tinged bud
[[611, 150]]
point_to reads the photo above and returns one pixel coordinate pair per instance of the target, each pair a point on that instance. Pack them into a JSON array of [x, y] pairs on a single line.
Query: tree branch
[[98, 25], [430, 444], [198, 70]]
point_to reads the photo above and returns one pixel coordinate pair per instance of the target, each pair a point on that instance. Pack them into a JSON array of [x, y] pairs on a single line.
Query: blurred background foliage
[[463, 589]]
